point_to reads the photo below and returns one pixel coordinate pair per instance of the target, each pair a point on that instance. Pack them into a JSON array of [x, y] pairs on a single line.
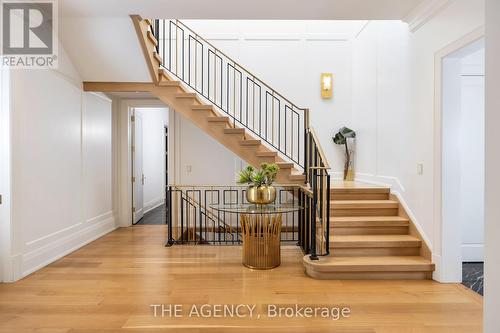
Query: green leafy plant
[[245, 176], [341, 139], [265, 175]]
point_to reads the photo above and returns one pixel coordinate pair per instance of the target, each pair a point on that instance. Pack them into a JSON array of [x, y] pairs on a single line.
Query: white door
[[138, 184]]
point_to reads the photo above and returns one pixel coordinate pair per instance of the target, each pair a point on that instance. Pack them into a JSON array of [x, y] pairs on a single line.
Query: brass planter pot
[[261, 195]]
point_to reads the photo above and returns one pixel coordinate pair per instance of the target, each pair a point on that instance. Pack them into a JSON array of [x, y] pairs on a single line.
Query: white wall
[[380, 103], [5, 182], [61, 166], [290, 56], [154, 121], [197, 158], [104, 48], [492, 165]]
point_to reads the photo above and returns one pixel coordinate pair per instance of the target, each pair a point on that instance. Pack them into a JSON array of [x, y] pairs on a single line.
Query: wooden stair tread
[[152, 38], [360, 204], [297, 178], [354, 190], [218, 119], [158, 57], [266, 153], [167, 83], [202, 107], [368, 221], [348, 185], [371, 264], [234, 130], [185, 95], [349, 241], [285, 165], [250, 142]]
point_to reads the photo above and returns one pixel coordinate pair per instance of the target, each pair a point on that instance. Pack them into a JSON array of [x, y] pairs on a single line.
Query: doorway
[[463, 165], [149, 129]]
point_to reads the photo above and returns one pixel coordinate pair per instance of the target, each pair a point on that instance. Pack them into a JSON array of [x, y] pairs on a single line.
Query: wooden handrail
[[219, 186], [320, 150]]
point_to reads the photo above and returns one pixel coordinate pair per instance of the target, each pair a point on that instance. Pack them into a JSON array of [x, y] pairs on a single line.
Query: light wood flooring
[[109, 285]]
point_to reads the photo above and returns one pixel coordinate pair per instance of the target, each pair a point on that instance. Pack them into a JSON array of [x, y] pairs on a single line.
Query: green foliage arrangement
[[265, 175]]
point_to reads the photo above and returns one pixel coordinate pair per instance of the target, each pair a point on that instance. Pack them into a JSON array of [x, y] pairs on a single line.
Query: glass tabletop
[[257, 209]]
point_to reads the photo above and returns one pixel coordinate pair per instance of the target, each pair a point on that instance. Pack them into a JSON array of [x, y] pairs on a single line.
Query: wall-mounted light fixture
[[326, 85]]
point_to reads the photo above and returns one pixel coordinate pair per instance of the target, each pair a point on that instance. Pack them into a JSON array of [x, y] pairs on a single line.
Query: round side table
[[261, 232]]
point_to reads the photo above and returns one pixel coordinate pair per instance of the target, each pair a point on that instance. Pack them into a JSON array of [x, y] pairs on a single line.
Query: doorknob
[[143, 178]]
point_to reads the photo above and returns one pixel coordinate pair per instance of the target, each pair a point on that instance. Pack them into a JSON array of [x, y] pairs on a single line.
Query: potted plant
[[260, 190], [342, 138]]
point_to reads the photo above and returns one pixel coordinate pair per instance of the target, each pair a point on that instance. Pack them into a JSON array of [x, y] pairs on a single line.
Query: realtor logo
[[29, 33]]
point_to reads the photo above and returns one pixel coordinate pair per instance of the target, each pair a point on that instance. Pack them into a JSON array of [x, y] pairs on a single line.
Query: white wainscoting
[[63, 245], [61, 167]]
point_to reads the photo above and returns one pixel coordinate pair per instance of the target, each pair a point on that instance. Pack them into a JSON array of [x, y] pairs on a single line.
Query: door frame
[[443, 272], [124, 158], [133, 152]]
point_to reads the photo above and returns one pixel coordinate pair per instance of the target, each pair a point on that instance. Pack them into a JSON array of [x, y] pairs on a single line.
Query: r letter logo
[[28, 34]]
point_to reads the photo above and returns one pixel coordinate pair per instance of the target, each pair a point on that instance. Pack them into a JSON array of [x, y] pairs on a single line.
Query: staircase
[[223, 99], [350, 231], [372, 238]]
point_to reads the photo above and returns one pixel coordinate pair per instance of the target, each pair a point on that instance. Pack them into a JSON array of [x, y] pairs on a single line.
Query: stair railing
[[253, 104], [233, 89], [191, 220], [317, 195]]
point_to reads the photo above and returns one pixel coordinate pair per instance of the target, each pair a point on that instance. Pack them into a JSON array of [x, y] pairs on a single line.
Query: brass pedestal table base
[[261, 240], [260, 231]]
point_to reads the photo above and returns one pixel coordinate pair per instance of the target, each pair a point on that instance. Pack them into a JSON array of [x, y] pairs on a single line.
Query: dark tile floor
[[473, 276], [155, 216]]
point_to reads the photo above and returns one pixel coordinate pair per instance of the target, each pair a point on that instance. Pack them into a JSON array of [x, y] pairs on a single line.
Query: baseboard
[[149, 206], [388, 181], [472, 252], [12, 269], [41, 257]]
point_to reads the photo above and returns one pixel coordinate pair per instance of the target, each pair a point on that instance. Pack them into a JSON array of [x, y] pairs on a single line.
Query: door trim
[[124, 159], [438, 244]]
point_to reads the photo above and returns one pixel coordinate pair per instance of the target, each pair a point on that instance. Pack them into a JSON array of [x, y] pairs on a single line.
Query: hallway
[[109, 285], [153, 217]]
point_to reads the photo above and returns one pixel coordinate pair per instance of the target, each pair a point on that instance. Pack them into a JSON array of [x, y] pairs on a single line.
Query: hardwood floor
[[109, 285]]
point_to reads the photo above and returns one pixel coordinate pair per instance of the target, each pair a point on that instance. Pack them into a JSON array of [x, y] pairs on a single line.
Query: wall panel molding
[[44, 255]]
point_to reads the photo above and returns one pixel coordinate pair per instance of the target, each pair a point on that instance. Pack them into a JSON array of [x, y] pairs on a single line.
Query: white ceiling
[[243, 9]]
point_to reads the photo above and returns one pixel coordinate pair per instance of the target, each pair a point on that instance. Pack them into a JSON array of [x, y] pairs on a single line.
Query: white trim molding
[[424, 12], [60, 247], [124, 157], [444, 264]]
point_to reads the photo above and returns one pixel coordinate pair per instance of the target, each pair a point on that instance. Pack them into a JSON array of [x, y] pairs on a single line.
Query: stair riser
[[283, 176], [364, 212], [267, 159], [374, 252], [368, 230], [360, 196], [369, 275]]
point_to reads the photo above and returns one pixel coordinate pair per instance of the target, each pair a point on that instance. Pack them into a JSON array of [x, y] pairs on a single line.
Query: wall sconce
[[326, 85]]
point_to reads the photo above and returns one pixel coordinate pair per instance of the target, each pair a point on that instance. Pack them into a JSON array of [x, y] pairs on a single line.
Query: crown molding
[[424, 12]]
